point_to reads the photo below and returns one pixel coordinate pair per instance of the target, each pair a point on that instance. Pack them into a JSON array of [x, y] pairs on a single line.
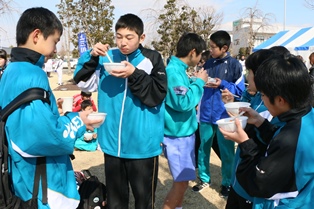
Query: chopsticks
[[236, 96], [110, 60]]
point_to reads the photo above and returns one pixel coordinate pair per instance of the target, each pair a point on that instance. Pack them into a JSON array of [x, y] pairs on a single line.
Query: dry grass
[[208, 198]]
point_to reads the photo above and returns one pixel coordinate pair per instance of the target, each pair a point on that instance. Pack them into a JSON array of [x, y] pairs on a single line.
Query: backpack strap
[[25, 97], [40, 172]]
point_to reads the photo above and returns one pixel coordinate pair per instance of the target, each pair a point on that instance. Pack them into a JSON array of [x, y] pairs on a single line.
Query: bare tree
[[207, 19], [177, 17], [257, 21], [6, 7], [309, 3]]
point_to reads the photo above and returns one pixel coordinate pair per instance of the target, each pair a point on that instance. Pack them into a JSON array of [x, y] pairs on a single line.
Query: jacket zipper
[[121, 115]]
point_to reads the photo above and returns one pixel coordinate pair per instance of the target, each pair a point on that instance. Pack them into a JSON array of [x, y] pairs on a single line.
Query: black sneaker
[[198, 187], [224, 191]]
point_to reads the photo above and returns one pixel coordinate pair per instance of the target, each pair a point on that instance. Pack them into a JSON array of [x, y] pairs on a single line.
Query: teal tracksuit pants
[[227, 152]]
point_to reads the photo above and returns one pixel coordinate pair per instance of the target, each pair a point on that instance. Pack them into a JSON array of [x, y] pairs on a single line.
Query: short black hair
[[37, 18], [257, 58], [131, 22], [3, 54], [85, 104], [281, 50], [205, 55], [188, 42], [86, 94], [221, 38], [288, 78]]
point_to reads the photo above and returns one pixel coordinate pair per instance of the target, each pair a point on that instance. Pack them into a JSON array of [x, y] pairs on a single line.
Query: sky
[[288, 14]]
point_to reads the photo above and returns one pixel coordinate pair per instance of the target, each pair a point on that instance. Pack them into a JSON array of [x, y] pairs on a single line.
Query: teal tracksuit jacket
[[135, 106], [181, 100], [36, 129]]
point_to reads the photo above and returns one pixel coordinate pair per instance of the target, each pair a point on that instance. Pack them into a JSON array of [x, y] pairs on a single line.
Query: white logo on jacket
[[72, 127]]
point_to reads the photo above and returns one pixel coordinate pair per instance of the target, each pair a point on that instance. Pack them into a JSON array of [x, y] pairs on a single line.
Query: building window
[[260, 38]]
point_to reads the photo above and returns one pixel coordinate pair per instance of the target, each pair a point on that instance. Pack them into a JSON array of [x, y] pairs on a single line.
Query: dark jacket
[[285, 173]]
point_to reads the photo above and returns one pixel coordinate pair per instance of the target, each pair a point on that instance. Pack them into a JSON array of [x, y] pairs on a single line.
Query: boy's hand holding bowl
[[238, 135], [213, 82], [120, 70], [233, 108], [91, 122], [97, 116], [113, 66]]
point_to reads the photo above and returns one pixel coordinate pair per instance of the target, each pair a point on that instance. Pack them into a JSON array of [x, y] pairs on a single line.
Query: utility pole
[[284, 19]]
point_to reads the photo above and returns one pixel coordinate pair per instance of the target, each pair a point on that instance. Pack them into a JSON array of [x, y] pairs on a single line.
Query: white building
[[241, 33]]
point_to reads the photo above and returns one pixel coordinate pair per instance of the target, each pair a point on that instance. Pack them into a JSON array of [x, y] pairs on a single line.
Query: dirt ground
[[94, 161]]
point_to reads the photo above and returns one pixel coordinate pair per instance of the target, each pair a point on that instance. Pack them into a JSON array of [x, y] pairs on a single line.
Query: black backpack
[[92, 192], [7, 199]]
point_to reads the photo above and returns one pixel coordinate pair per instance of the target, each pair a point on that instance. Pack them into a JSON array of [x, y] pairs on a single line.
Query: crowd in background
[[152, 109]]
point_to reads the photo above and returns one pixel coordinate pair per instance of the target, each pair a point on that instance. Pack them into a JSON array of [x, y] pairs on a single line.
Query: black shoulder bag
[[7, 199]]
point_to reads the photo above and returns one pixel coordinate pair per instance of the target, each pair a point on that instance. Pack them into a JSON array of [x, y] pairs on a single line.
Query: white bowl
[[88, 136], [97, 115], [113, 66], [233, 107], [228, 124], [211, 80]]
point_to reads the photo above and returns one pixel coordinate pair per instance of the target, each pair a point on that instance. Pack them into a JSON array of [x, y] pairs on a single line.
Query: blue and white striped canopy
[[296, 40]]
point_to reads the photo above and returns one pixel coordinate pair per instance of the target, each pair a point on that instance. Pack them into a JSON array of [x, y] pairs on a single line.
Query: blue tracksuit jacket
[[229, 70]]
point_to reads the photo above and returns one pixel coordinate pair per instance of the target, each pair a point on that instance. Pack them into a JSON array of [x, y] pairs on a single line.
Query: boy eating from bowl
[[283, 175], [133, 99], [180, 120]]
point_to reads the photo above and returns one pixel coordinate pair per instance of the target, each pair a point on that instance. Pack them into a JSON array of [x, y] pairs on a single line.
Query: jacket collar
[[223, 59], [179, 62], [134, 54], [294, 113], [19, 54]]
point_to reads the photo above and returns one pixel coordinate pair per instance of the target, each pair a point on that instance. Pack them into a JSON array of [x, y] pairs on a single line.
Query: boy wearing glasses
[[227, 73]]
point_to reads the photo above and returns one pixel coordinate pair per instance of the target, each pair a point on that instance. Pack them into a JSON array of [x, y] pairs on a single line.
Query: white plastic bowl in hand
[[113, 66], [95, 116], [228, 124], [88, 136], [233, 107], [211, 80]]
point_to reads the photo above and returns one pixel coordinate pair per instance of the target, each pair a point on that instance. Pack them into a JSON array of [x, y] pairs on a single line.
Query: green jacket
[[182, 97]]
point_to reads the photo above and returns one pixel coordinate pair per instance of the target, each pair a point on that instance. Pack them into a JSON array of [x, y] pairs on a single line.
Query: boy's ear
[[282, 102], [142, 38], [35, 35], [193, 51], [224, 48], [190, 55]]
